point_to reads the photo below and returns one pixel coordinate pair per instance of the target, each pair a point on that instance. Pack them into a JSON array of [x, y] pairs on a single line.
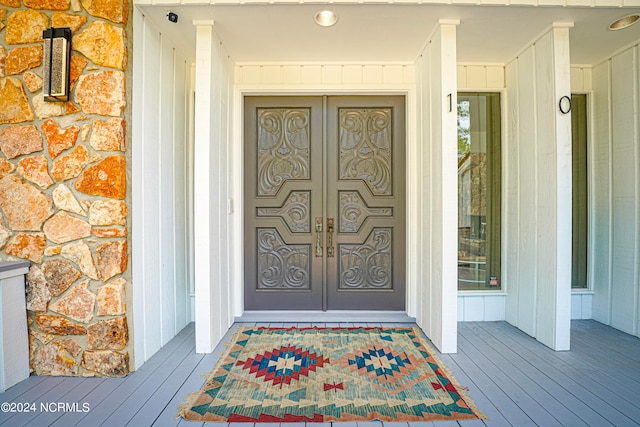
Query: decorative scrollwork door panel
[[366, 192], [324, 203], [283, 196]]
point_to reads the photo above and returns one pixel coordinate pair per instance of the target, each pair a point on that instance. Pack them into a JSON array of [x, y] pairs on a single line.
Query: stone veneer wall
[[63, 184]]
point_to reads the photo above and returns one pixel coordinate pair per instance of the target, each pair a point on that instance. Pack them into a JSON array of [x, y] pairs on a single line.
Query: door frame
[[237, 177]]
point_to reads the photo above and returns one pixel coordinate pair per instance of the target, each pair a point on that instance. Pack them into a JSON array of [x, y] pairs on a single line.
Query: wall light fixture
[[57, 58]]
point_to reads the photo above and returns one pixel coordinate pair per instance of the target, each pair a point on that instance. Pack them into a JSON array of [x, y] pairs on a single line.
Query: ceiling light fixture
[[624, 22], [325, 18]]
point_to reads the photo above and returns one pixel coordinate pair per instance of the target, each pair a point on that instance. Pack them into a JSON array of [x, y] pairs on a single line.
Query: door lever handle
[[330, 247], [318, 237]]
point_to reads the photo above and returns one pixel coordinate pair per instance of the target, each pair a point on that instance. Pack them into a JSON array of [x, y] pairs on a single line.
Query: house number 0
[[565, 104]]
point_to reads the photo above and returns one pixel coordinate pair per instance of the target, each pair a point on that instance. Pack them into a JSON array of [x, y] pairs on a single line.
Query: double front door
[[324, 203]]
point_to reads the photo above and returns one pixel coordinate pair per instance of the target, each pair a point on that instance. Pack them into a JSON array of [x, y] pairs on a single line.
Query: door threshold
[[303, 316]]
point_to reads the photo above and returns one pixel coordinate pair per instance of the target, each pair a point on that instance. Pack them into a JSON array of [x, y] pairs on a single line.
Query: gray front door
[[324, 203]]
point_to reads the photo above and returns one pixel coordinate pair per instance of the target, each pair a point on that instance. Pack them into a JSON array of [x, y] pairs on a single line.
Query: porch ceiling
[[391, 33]]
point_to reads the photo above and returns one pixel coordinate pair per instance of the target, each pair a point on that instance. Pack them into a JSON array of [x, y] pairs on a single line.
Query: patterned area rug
[[333, 374]]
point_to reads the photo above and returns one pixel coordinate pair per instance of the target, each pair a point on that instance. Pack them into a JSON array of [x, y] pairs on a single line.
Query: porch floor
[[512, 378]]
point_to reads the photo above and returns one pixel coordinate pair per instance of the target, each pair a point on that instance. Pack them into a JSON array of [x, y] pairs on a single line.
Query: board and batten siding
[[490, 306], [616, 191], [159, 190], [328, 75], [537, 193], [437, 200], [213, 240]]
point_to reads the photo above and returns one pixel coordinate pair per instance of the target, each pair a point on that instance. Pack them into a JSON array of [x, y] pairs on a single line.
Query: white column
[[205, 331], [437, 309], [537, 209], [449, 185]]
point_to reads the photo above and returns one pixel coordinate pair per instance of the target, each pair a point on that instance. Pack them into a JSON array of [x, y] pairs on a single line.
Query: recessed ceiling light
[[624, 22], [326, 18]]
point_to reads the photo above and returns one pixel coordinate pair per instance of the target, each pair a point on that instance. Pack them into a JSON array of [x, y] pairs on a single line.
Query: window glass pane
[[579, 191], [479, 191]]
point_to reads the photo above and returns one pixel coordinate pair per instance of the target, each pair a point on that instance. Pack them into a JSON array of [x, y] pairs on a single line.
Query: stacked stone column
[[63, 184]]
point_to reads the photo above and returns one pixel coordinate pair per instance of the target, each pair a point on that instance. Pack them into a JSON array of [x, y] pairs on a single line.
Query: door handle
[[330, 247], [318, 237]]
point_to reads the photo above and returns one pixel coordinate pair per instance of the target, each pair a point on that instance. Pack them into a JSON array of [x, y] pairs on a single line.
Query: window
[[579, 208], [479, 183]]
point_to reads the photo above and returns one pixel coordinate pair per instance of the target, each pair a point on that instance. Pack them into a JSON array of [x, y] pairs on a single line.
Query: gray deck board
[[129, 407], [573, 381], [517, 369], [511, 377]]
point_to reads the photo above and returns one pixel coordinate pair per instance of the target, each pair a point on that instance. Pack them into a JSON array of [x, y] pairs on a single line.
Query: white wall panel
[[510, 193], [212, 187], [159, 177], [481, 308], [329, 74], [526, 276], [581, 303], [601, 196], [166, 191], [617, 192], [537, 208], [581, 78], [480, 77]]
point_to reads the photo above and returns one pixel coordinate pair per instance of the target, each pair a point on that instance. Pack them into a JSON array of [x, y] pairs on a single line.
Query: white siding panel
[[291, 74], [166, 192], [494, 308], [372, 74], [331, 74], [312, 74], [481, 308], [511, 198], [159, 244], [393, 74], [625, 164], [495, 77], [271, 74], [251, 75], [480, 77], [462, 77], [352, 74], [546, 203], [527, 245], [538, 215], [473, 309], [211, 171], [477, 77], [601, 204], [581, 305], [181, 201], [152, 298]]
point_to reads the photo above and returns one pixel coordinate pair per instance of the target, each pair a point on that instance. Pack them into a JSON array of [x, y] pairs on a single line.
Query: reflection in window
[[479, 191], [579, 191]]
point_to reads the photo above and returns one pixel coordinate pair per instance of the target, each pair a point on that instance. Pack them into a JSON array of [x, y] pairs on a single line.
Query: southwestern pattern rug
[[332, 374]]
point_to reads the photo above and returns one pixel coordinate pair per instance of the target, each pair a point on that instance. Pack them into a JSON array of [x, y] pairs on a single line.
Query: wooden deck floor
[[513, 379]]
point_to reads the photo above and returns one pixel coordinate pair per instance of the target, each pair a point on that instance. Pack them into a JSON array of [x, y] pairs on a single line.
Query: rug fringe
[[463, 391], [187, 404]]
